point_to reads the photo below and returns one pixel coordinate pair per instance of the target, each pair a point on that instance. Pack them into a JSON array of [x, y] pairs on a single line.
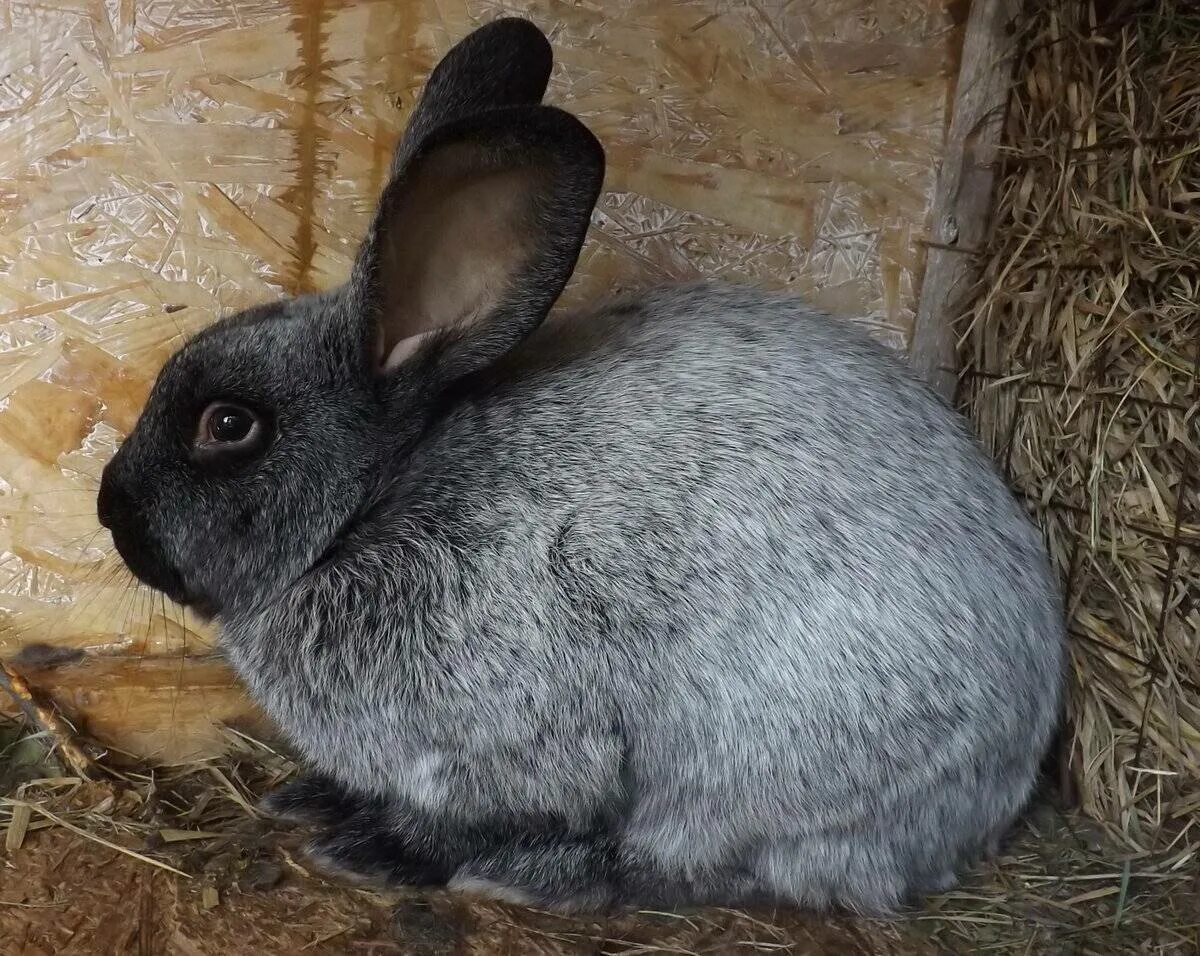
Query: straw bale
[[162, 164], [1080, 363]]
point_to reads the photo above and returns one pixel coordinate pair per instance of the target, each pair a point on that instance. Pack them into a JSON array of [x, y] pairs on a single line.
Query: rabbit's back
[[817, 604]]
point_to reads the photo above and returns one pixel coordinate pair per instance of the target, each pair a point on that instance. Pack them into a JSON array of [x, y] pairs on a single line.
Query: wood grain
[[961, 209]]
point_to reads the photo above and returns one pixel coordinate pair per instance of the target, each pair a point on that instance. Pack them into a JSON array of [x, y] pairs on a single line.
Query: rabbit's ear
[[477, 236], [505, 63]]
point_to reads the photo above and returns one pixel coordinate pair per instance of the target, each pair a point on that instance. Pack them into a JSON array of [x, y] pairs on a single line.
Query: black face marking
[[254, 448]]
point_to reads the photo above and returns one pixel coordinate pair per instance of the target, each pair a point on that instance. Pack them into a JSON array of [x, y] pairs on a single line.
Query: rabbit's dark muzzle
[[120, 511]]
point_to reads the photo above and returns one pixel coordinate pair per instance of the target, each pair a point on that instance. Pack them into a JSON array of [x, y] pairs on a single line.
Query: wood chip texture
[[162, 164]]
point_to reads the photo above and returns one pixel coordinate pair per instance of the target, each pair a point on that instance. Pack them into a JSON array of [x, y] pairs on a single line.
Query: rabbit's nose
[[104, 504], [111, 500]]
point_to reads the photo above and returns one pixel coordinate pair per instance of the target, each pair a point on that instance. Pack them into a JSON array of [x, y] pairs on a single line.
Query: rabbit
[[697, 596]]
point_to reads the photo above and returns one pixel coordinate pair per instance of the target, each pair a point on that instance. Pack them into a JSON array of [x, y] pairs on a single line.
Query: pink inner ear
[[404, 349]]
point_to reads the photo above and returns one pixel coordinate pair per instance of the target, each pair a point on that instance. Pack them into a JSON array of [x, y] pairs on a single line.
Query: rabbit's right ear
[[504, 63]]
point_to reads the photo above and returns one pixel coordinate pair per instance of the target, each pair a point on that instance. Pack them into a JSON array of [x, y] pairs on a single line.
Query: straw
[[1080, 370]]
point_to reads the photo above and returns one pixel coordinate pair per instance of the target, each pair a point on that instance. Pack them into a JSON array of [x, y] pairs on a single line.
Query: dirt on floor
[[250, 892], [1061, 888], [176, 861]]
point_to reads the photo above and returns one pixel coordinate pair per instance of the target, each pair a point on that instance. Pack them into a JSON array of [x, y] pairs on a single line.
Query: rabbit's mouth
[[202, 606], [171, 583], [120, 512], [162, 576], [150, 568], [146, 563]]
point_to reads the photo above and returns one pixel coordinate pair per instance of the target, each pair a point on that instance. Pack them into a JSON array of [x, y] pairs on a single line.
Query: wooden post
[[962, 204]]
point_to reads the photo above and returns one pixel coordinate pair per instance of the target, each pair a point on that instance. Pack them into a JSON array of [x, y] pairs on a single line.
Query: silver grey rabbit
[[696, 597]]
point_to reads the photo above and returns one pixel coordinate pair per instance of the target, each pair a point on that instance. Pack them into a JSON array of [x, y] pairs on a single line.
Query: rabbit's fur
[[699, 596]]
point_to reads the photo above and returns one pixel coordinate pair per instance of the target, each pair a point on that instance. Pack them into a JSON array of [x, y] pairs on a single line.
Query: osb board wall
[[164, 163]]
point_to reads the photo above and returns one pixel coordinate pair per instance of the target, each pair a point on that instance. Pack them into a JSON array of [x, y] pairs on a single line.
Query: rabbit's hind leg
[[362, 839], [309, 799], [376, 846], [594, 873], [561, 872]]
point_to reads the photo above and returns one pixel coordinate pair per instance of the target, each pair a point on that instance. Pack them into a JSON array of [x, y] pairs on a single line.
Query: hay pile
[[1080, 369]]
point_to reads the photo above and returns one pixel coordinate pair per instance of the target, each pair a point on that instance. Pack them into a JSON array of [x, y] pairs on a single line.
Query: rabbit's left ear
[[476, 237]]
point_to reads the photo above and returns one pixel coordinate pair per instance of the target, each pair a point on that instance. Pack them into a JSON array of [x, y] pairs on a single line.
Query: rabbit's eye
[[230, 435], [230, 424], [225, 424]]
